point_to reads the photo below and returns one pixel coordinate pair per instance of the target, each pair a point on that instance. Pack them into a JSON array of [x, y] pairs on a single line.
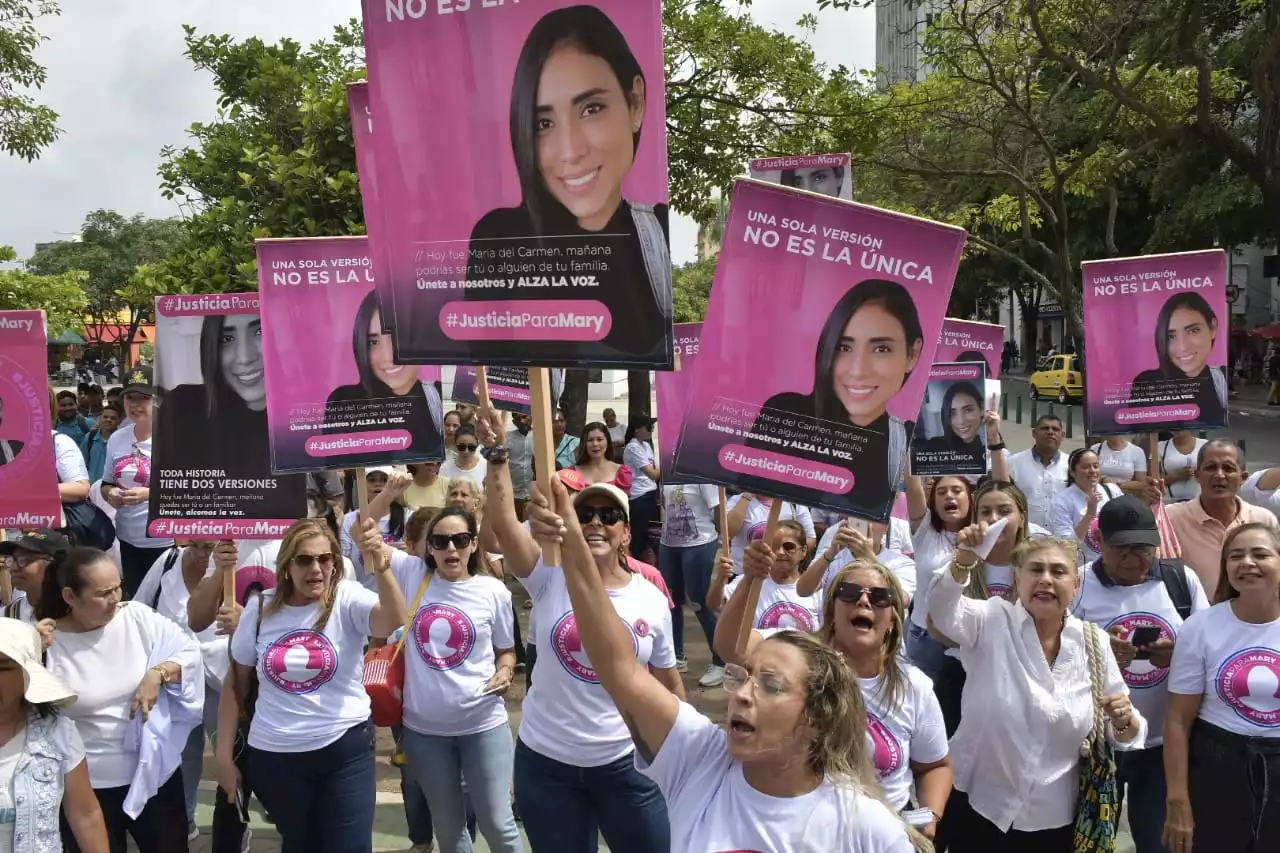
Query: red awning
[[1268, 333], [110, 333]]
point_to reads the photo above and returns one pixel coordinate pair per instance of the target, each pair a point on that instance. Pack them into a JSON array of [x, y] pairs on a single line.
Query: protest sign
[[335, 395], [672, 389], [950, 437], [28, 478], [362, 136], [827, 174], [966, 340], [212, 449], [812, 364], [523, 149], [1156, 343], [508, 387]]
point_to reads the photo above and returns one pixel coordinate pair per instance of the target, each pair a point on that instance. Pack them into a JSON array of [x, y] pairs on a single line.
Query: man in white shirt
[[520, 460], [617, 432], [1041, 470]]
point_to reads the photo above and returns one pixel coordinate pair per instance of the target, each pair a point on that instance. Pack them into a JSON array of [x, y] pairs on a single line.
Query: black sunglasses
[[880, 597], [466, 448], [441, 541], [788, 546], [608, 515], [306, 561]]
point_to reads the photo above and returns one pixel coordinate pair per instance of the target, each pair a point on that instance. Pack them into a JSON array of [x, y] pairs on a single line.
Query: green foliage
[[691, 288], [61, 297], [26, 127]]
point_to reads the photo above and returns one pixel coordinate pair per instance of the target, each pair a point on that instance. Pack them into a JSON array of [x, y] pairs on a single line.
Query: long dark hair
[[474, 564], [65, 572], [395, 515], [935, 520], [374, 387], [215, 386], [959, 389], [890, 295], [1073, 460], [1193, 302], [594, 426], [592, 32]]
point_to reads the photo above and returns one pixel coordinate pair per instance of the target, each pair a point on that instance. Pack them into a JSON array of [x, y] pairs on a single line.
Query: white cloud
[[118, 77]]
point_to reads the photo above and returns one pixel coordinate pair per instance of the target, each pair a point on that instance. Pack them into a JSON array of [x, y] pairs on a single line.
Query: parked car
[[1060, 377]]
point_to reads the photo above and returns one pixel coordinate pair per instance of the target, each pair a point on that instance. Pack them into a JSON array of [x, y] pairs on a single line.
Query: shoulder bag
[[383, 675], [1098, 801]]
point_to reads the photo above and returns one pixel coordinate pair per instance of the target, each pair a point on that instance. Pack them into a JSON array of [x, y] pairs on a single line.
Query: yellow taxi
[[1059, 377]]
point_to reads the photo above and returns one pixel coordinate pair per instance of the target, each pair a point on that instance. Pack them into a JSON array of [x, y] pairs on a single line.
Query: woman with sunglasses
[[459, 661], [748, 514], [792, 772], [575, 774], [467, 463], [308, 753], [780, 606], [864, 614]]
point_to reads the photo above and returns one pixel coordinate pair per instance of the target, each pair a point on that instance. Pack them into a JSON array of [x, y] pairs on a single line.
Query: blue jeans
[[193, 752], [485, 759], [687, 572], [417, 814], [322, 800], [1141, 778], [564, 807], [925, 652]]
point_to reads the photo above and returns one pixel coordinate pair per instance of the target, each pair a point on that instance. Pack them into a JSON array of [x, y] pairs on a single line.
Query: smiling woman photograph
[[579, 101], [1185, 336], [865, 353]]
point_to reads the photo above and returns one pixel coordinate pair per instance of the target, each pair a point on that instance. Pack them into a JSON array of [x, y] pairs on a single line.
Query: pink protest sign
[[28, 479], [1156, 343], [672, 390], [967, 340], [814, 355], [827, 174], [362, 135], [950, 437], [335, 394]]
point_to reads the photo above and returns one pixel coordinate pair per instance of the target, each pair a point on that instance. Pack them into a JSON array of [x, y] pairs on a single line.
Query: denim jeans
[[193, 752], [417, 813], [322, 800], [687, 572], [565, 807], [1141, 778], [485, 759], [161, 828], [925, 652]]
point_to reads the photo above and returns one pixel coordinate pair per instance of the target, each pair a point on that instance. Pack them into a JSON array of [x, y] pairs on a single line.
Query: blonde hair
[[893, 687], [1225, 591], [476, 492], [1031, 547], [977, 587], [302, 530]]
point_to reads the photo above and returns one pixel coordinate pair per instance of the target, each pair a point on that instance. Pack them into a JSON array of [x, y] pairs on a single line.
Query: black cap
[[641, 422], [138, 381], [1127, 520], [39, 540]]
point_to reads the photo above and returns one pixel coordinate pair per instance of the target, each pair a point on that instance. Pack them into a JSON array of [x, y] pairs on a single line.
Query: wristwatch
[[164, 674], [498, 454]]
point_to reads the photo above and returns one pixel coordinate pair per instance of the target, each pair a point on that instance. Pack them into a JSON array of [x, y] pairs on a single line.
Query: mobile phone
[[1144, 636]]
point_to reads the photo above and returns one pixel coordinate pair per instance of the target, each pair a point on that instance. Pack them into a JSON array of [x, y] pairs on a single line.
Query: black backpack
[[170, 559]]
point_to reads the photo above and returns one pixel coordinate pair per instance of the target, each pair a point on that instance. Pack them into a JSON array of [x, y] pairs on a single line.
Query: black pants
[[161, 828], [515, 620], [644, 512], [135, 562], [1234, 783], [973, 833]]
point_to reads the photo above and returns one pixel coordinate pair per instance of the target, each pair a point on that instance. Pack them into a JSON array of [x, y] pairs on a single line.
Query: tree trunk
[[639, 393], [573, 400]]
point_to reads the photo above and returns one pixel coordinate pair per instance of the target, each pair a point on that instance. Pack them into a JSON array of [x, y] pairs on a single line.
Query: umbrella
[[68, 339]]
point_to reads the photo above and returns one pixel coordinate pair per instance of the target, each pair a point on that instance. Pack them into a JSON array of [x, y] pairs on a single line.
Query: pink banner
[[520, 160], [335, 395], [211, 452], [673, 389], [362, 135], [1156, 343], [508, 387], [966, 340], [828, 174], [28, 479], [824, 317]]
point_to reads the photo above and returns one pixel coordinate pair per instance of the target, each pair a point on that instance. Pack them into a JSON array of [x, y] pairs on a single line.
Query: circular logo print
[[997, 590], [567, 645], [756, 532], [786, 614], [885, 747], [1142, 673], [1249, 681], [444, 635], [641, 628], [300, 661]]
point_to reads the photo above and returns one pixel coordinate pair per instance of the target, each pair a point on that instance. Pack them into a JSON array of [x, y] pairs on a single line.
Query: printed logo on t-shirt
[[682, 525], [139, 462], [568, 648], [444, 636], [997, 590], [786, 614], [641, 628], [1249, 681], [300, 662], [886, 748], [1142, 673]]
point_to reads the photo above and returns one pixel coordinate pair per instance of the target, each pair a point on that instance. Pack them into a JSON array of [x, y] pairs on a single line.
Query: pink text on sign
[[526, 320]]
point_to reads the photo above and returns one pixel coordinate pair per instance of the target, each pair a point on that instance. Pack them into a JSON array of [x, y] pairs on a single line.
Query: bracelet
[[962, 567], [824, 556], [497, 454], [164, 673], [997, 446]]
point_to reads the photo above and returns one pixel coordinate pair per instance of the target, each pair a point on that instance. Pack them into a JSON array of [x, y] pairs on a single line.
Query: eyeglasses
[[789, 547], [466, 448], [306, 561], [442, 541], [608, 515], [25, 560], [763, 687], [880, 597]]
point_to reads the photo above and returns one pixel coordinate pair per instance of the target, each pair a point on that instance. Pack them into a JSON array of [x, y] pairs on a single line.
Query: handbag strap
[[1093, 654], [413, 609]]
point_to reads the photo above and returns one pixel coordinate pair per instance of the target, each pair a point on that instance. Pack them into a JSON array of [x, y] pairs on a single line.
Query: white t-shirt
[[618, 435], [898, 537], [451, 471], [68, 460], [902, 566], [1173, 460], [1235, 665], [637, 456], [934, 549], [258, 564], [567, 715], [712, 807], [310, 690], [914, 731], [1250, 493], [1120, 466], [128, 465], [1069, 507], [104, 668], [63, 734], [756, 522], [449, 653], [689, 515], [172, 604], [782, 607], [1131, 607]]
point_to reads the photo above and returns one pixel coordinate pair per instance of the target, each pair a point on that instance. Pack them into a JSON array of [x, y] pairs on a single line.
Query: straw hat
[[21, 643]]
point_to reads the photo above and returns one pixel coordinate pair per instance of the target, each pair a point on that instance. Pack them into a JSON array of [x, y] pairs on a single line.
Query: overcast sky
[[124, 90]]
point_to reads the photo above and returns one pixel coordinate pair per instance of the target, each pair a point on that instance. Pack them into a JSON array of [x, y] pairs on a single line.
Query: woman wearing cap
[[308, 754], [574, 770], [43, 772], [27, 559], [390, 514], [126, 479], [638, 455], [140, 683]]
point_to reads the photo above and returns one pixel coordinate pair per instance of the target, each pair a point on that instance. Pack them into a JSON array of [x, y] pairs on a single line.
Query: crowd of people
[[999, 667]]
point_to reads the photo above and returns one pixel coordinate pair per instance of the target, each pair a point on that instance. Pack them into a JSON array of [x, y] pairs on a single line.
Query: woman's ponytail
[[65, 572]]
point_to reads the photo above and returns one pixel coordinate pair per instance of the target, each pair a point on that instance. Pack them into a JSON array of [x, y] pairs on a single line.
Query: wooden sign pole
[[544, 450], [753, 591]]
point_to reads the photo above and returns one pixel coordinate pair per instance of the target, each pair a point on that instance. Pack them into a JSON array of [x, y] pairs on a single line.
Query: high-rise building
[[900, 28]]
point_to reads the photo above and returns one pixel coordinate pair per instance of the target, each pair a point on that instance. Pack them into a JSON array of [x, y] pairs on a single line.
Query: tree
[[61, 296], [692, 289], [26, 127]]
